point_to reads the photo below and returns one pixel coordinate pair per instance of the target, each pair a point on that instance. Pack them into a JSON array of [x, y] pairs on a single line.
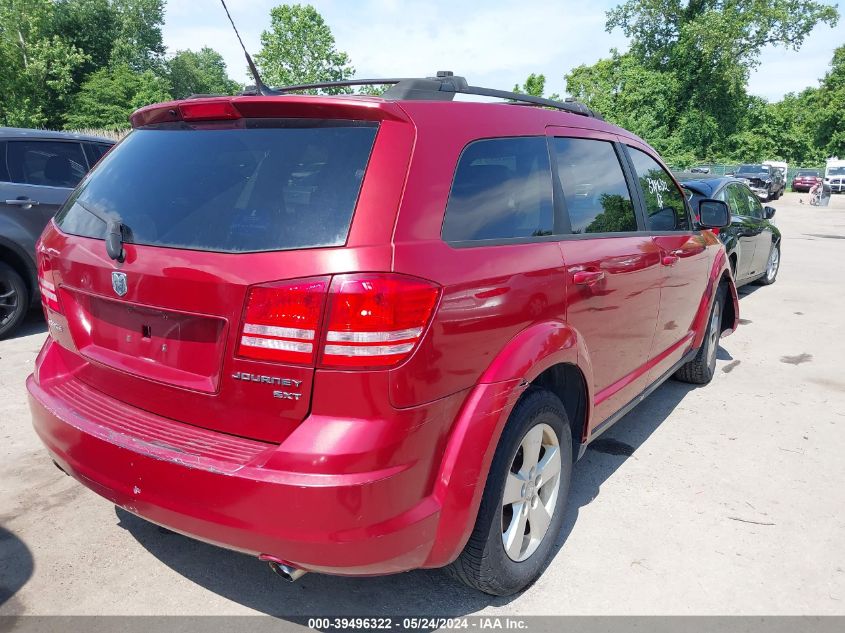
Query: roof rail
[[443, 87]]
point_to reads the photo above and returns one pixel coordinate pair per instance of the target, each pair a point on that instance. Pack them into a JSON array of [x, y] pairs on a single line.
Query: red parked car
[[805, 179], [360, 335]]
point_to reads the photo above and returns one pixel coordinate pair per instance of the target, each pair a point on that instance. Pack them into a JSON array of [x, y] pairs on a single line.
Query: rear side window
[[737, 199], [502, 189], [664, 202], [46, 163], [4, 171], [96, 152], [268, 185], [594, 188]]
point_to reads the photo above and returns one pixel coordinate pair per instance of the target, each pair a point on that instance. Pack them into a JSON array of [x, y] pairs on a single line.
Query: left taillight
[[47, 285], [282, 320], [372, 320]]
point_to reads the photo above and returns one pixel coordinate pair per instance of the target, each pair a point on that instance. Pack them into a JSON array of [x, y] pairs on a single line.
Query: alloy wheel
[[713, 333], [774, 262], [531, 492], [9, 301]]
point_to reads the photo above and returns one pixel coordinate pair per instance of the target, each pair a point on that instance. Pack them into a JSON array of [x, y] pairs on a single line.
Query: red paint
[[370, 467]]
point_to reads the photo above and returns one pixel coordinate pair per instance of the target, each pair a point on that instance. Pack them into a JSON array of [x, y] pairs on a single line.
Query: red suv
[[360, 335]]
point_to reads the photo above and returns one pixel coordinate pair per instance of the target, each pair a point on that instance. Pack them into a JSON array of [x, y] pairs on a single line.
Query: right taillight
[[375, 320]]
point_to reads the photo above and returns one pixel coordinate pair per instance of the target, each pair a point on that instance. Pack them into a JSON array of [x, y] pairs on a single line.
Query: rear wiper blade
[[114, 231]]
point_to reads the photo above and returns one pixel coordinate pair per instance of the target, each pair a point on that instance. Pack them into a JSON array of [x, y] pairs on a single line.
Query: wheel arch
[[549, 354], [720, 276]]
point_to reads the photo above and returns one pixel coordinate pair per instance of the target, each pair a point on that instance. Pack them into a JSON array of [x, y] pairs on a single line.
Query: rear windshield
[[751, 169], [264, 185], [808, 172]]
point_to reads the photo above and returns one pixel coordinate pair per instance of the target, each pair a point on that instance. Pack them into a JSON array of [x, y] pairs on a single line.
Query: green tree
[[138, 41], [38, 65], [110, 95], [374, 90], [535, 85], [693, 60], [89, 25], [300, 48], [199, 72], [830, 133]]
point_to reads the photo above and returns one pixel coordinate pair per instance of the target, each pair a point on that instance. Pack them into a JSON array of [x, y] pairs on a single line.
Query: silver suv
[[38, 170]]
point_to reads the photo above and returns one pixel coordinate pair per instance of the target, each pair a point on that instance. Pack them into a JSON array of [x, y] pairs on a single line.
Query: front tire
[[524, 500], [14, 299], [772, 267], [700, 370]]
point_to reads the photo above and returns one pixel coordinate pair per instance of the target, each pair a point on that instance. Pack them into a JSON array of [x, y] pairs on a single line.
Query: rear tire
[[700, 370], [772, 267], [504, 554], [14, 299]]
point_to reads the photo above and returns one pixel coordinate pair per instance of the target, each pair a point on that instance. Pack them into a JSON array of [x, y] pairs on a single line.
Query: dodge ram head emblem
[[118, 283]]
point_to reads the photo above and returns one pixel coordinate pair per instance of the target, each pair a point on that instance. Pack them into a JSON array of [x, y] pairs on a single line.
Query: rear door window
[[96, 151], [665, 206], [4, 171], [46, 163], [270, 185], [737, 199], [502, 189], [595, 192]]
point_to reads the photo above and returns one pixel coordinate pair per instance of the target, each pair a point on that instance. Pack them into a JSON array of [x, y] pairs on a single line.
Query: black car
[[767, 182], [751, 241], [38, 171]]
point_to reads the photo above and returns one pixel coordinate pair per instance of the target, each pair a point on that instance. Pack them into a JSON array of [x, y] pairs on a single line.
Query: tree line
[[682, 85]]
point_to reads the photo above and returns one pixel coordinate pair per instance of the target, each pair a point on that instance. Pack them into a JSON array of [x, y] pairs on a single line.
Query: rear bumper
[[233, 492]]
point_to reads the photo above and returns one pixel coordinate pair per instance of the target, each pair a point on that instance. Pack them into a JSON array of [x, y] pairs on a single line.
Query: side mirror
[[713, 214], [769, 212]]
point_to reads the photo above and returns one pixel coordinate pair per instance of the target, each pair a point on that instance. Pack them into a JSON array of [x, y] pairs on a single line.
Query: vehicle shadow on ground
[[244, 580], [606, 454], [16, 567], [34, 323]]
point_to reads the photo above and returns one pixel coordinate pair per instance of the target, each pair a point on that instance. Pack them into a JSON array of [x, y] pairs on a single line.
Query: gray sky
[[494, 43]]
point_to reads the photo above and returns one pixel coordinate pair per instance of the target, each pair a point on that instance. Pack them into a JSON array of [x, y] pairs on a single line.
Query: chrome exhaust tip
[[282, 569], [291, 574]]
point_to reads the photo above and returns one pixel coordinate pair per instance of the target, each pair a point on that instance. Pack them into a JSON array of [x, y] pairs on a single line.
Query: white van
[[834, 175]]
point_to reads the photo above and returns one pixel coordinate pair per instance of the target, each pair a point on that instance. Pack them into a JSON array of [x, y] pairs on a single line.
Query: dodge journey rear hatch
[[230, 220]]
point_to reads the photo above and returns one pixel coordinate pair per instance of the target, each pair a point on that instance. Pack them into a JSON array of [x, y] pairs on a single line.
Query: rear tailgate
[[213, 210]]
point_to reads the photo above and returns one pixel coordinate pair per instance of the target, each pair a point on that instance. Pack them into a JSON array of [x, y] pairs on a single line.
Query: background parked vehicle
[[364, 335], [804, 179], [766, 182], [783, 168], [834, 175], [751, 241], [38, 170]]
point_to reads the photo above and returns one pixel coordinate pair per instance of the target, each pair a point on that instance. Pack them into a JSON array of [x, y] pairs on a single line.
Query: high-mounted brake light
[[281, 321], [209, 111], [376, 319]]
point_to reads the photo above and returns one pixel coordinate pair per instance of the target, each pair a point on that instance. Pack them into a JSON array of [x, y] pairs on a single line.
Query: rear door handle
[[588, 277], [22, 202], [670, 260]]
